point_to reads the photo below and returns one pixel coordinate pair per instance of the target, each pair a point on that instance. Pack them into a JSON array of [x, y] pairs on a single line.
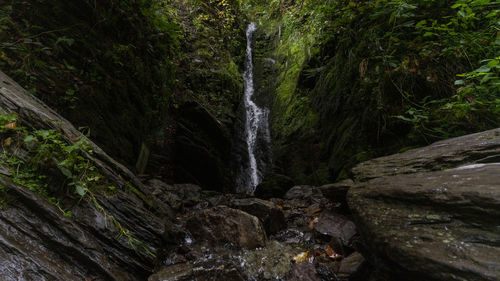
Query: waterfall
[[256, 123]]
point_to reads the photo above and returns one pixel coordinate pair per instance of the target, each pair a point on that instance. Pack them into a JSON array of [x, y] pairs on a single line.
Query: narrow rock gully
[[430, 214]]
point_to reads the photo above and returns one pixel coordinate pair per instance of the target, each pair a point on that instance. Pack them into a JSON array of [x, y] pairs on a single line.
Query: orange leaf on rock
[[313, 222], [331, 253], [302, 257], [11, 125]]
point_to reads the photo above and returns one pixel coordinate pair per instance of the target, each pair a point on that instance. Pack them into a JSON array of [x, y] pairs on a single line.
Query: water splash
[[256, 120]]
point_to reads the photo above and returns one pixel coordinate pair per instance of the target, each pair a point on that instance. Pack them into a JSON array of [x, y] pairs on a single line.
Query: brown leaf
[[7, 142], [302, 257], [313, 222], [11, 125], [331, 253]]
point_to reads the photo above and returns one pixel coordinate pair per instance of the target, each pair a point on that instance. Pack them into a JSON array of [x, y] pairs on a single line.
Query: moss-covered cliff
[[345, 80], [356, 79], [155, 80]]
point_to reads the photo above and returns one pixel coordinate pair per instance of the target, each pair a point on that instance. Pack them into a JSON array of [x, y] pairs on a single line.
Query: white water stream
[[256, 120]]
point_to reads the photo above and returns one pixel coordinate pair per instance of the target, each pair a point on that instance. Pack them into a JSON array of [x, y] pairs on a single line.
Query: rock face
[[270, 215], [37, 242], [336, 226], [225, 225], [432, 213]]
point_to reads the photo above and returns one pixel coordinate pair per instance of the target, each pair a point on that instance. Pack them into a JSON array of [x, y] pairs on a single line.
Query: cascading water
[[256, 124]]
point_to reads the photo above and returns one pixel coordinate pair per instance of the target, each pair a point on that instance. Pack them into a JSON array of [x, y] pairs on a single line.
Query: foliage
[[58, 170], [110, 66], [372, 77], [212, 40]]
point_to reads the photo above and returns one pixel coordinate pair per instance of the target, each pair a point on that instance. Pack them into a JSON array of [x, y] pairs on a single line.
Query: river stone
[[351, 267], [336, 226], [200, 272], [271, 216], [222, 224], [303, 271], [304, 192], [434, 225], [337, 191]]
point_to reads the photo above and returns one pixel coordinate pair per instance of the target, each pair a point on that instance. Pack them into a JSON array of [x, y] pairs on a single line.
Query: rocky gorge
[[249, 140], [425, 214]]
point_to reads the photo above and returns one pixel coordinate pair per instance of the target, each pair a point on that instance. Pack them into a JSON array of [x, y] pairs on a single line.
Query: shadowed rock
[[221, 225], [271, 216], [37, 242], [433, 225]]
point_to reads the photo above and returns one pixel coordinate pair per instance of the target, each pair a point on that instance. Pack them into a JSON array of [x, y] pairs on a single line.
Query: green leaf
[[421, 23], [80, 190], [66, 171], [493, 63], [29, 138], [483, 69], [459, 82]]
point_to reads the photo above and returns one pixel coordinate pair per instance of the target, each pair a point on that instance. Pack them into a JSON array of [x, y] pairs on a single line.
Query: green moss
[[375, 77], [141, 195]]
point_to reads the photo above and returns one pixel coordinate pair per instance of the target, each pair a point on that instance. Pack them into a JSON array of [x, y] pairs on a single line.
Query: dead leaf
[[280, 207], [313, 222], [331, 253], [11, 125], [7, 142], [302, 257]]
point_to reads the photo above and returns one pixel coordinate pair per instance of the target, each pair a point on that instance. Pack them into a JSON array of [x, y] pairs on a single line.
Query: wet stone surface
[[311, 242]]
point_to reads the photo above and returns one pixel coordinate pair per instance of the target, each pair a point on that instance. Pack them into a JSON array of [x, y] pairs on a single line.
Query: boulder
[[470, 149], [303, 271], [223, 225], [304, 192], [338, 227], [352, 268], [109, 237], [337, 192], [418, 223], [270, 215]]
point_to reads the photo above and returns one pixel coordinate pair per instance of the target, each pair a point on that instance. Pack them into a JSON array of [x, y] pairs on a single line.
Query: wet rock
[[304, 192], [225, 225], [37, 242], [164, 193], [303, 271], [270, 215], [272, 262], [352, 268], [188, 192], [337, 192], [470, 149], [432, 225], [338, 227], [199, 272]]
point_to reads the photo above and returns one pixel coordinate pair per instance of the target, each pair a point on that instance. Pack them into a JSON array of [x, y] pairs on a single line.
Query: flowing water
[[256, 124]]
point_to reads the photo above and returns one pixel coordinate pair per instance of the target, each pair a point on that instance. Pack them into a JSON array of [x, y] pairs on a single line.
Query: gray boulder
[[420, 222], [37, 242], [221, 225], [271, 216]]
